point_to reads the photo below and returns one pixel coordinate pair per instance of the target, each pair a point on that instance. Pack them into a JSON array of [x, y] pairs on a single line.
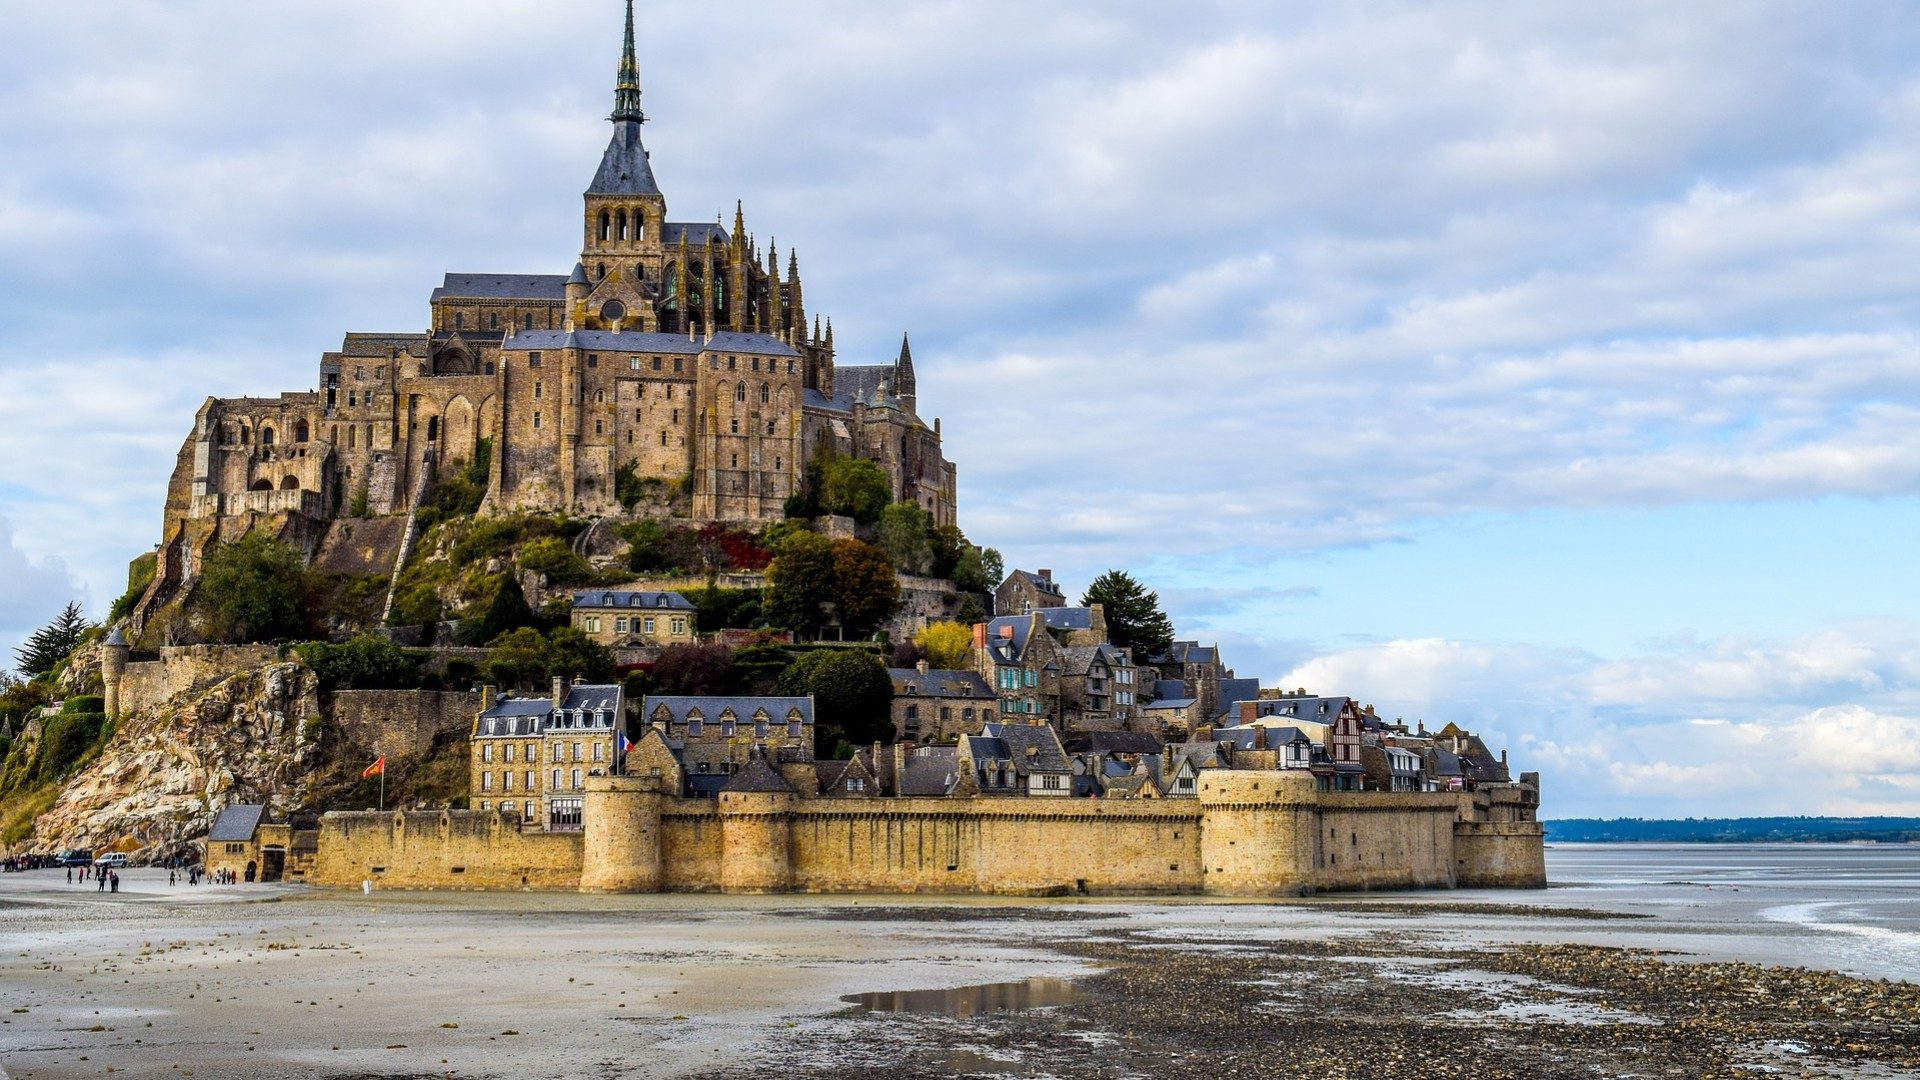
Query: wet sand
[[283, 981]]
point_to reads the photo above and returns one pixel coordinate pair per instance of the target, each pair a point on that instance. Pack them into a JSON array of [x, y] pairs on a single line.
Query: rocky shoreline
[[1390, 1004]]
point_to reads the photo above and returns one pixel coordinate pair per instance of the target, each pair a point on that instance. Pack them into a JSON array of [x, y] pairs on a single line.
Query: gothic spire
[[626, 94], [903, 381]]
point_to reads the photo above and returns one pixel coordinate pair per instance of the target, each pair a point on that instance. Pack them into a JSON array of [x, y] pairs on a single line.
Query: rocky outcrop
[[168, 770]]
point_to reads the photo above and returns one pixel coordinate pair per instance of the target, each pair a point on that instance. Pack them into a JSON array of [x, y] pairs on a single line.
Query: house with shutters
[[622, 618]]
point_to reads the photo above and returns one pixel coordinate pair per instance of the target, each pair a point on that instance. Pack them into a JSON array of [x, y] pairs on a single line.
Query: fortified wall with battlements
[[1249, 833]]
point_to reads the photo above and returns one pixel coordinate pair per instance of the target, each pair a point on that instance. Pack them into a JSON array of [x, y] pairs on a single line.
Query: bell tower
[[625, 212]]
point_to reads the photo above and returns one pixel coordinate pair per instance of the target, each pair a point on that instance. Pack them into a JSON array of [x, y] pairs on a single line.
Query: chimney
[[921, 666], [486, 697], [559, 691], [1423, 727], [1248, 710], [1259, 738], [1368, 710], [1299, 691], [1503, 759], [1044, 575], [1007, 631]]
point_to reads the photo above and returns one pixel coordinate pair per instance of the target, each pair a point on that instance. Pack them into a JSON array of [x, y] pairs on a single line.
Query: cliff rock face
[[168, 771]]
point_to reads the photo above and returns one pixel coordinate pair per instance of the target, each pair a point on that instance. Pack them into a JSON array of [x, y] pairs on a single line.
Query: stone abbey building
[[679, 349]]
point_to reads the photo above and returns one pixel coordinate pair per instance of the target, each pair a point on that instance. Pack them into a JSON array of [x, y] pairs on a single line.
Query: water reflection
[[965, 1001]]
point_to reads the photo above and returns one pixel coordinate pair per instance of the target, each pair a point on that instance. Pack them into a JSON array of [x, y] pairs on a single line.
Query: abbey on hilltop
[[678, 353]]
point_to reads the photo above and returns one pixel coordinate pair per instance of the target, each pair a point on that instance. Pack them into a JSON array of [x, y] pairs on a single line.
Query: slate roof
[[939, 683], [711, 708], [1237, 690], [696, 233], [1066, 618], [609, 598], [760, 777], [502, 287], [640, 342], [1011, 742], [1171, 688], [378, 345], [1320, 710], [593, 697], [1008, 648], [514, 717], [929, 771], [624, 169], [1170, 703], [1040, 584], [237, 823], [115, 637], [706, 785], [1187, 652], [1079, 658]]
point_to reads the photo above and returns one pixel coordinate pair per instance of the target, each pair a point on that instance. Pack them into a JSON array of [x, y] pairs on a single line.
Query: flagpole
[[383, 786]]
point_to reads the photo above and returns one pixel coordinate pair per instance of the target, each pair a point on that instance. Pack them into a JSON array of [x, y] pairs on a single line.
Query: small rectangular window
[[593, 360], [536, 421], [533, 359], [634, 363]]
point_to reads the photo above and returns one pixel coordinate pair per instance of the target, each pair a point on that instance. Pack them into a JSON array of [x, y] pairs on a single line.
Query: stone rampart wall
[[1250, 834], [402, 721], [181, 668], [448, 849]]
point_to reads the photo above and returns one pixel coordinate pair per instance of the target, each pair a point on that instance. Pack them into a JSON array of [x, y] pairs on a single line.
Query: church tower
[[626, 213]]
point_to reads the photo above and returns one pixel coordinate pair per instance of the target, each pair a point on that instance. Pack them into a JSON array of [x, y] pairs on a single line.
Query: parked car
[[112, 860], [75, 857]]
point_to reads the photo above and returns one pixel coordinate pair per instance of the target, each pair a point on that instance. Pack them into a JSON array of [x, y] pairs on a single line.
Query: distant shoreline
[[1759, 830]]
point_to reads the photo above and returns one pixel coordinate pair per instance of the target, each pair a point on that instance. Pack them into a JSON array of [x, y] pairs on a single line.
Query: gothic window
[[740, 392], [639, 224], [351, 441], [766, 395], [621, 218], [613, 311], [606, 227]]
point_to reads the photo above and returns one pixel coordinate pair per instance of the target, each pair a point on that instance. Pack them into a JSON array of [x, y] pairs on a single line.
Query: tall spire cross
[[626, 94]]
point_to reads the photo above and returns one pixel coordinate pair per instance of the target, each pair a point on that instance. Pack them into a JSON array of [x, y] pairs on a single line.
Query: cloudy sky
[[1546, 368]]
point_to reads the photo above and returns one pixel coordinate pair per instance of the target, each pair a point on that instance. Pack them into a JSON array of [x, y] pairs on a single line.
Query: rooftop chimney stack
[[921, 666]]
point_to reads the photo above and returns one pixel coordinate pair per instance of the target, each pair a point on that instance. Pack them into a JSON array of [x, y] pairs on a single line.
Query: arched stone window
[[766, 393], [266, 436], [606, 226], [639, 224], [301, 432], [621, 218], [290, 483], [263, 484], [740, 392]]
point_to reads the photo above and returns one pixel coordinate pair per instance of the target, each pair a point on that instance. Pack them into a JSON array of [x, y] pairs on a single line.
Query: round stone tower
[[621, 838], [113, 667], [1257, 832], [756, 830]]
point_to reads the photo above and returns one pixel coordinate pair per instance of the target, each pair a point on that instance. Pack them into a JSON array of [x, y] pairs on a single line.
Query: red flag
[[379, 766]]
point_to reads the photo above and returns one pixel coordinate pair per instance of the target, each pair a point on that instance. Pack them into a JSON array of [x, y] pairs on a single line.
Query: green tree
[[865, 590], [364, 662], [555, 558], [51, 643], [518, 659], [508, 610], [947, 544], [905, 535], [757, 668], [946, 643], [572, 654], [855, 487], [852, 695], [252, 589], [800, 583], [627, 485], [970, 611], [1134, 618]]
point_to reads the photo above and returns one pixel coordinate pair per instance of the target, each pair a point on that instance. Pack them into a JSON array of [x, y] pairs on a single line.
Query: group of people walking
[[105, 880]]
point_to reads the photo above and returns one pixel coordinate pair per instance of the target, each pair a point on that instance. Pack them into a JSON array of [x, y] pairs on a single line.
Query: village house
[[1014, 759], [627, 619], [530, 757], [717, 736], [1198, 673], [1020, 661], [1096, 687], [936, 705], [1020, 592]]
